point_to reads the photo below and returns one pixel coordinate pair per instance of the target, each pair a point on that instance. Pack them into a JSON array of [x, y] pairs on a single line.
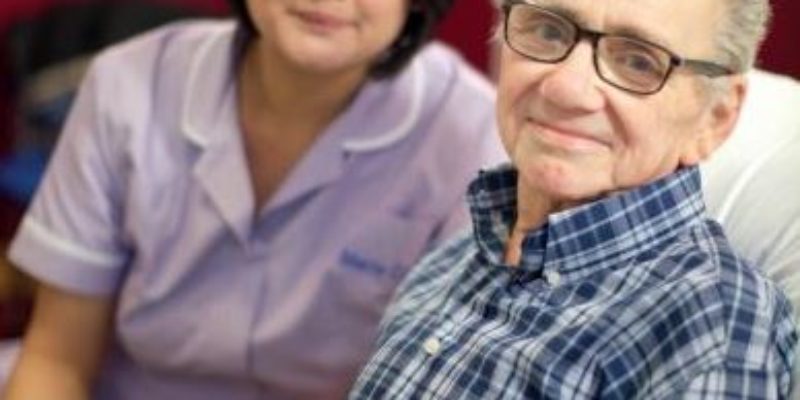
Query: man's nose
[[573, 84]]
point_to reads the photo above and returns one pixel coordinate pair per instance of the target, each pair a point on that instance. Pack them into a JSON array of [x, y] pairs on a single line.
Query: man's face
[[574, 137]]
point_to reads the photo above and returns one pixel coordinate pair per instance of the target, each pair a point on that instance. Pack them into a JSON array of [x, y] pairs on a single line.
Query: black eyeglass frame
[[701, 67]]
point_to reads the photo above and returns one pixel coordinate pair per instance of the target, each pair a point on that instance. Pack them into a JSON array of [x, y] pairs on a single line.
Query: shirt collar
[[604, 234], [383, 113], [209, 90]]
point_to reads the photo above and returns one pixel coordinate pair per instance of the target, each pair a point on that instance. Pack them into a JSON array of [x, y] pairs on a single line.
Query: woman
[[230, 206]]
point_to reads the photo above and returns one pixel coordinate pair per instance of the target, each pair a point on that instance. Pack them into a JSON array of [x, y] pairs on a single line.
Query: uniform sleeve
[[70, 236]]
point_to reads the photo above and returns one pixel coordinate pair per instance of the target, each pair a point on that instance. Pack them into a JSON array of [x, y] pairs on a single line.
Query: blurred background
[[45, 46]]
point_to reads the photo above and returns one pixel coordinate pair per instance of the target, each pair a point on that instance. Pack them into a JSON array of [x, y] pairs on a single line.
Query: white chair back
[[752, 185]]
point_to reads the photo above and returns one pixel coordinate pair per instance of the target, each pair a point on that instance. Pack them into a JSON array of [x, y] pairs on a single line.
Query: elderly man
[[592, 271]]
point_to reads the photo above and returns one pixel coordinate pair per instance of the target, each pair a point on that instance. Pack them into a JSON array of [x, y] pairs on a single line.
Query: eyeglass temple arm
[[705, 68]]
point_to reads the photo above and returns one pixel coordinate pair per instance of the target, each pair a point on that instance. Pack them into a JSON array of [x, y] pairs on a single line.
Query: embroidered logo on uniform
[[352, 260]]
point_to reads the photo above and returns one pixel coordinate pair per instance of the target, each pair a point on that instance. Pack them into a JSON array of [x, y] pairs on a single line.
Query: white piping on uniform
[[404, 128], [68, 248]]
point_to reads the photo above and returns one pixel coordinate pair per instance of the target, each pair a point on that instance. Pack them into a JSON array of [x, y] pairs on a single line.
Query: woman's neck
[[282, 111], [284, 94]]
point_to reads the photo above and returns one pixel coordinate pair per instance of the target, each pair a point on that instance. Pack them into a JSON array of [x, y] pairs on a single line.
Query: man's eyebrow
[[623, 30], [562, 11], [636, 33]]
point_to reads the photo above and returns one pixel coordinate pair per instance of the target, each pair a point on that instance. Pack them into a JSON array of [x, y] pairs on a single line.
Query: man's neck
[[533, 207]]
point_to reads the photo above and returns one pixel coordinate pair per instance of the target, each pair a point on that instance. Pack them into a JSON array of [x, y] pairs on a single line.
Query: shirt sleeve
[[767, 378], [735, 382], [71, 237]]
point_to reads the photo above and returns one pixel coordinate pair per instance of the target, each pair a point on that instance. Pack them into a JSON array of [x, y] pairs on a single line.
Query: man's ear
[[718, 121]]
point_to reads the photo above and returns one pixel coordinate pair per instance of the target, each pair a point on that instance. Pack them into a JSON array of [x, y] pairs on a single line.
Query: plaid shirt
[[632, 296]]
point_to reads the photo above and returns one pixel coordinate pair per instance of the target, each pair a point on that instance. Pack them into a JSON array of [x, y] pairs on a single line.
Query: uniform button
[[552, 277], [432, 346]]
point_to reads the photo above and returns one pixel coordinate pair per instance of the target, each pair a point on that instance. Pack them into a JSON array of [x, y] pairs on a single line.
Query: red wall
[[468, 27], [781, 51]]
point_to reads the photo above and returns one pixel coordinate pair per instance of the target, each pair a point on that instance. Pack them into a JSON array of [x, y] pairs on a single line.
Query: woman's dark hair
[[422, 18]]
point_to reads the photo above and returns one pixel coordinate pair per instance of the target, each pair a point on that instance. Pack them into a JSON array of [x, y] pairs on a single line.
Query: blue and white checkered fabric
[[633, 296]]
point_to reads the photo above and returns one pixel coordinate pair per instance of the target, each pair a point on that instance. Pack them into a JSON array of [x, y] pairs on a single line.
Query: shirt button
[[432, 346], [552, 277]]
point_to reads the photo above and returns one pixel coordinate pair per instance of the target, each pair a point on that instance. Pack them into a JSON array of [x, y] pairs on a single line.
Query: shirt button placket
[[432, 345], [435, 342], [553, 278]]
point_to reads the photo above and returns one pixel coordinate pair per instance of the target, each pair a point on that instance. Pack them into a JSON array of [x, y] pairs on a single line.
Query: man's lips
[[566, 137]]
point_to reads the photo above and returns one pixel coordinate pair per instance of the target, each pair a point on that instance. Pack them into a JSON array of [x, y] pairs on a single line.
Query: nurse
[[231, 205]]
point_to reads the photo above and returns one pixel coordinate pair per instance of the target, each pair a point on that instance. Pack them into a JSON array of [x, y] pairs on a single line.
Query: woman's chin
[[324, 64]]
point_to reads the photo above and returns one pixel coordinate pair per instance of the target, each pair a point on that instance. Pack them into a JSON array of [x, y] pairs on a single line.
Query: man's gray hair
[[742, 31]]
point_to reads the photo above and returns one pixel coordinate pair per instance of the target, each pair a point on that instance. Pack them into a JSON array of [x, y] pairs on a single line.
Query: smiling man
[[592, 270]]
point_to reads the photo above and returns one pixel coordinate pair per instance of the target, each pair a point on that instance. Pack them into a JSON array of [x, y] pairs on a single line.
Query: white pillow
[[752, 184]]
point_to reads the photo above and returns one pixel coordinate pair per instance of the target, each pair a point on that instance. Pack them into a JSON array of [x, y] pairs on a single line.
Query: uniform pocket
[[371, 266]]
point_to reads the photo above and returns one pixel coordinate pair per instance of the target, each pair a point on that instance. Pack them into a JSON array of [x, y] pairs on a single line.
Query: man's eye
[[634, 60], [548, 32], [640, 63]]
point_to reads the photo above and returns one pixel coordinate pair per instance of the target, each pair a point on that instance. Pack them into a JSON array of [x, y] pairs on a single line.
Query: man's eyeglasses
[[631, 64]]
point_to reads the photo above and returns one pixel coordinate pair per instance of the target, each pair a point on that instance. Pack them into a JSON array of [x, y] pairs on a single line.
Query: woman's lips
[[320, 20]]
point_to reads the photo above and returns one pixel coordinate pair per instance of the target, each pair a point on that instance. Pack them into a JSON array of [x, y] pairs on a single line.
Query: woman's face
[[327, 36]]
